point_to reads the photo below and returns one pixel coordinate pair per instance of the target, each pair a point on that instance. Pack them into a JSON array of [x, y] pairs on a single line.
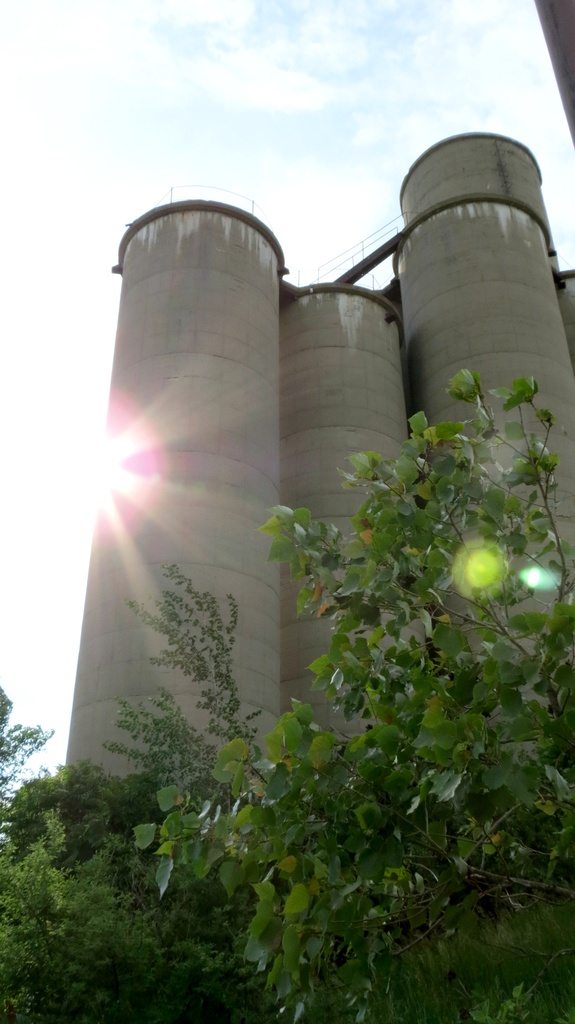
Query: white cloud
[[256, 79], [235, 15]]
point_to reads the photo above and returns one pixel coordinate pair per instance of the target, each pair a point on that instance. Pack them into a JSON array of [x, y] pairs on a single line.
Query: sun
[[111, 472], [127, 468]]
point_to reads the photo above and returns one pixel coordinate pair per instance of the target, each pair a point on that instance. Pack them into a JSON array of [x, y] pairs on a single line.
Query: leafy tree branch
[[452, 652]]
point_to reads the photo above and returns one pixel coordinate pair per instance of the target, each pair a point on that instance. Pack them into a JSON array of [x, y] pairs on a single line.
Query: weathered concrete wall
[[341, 392], [476, 283], [566, 298], [197, 357]]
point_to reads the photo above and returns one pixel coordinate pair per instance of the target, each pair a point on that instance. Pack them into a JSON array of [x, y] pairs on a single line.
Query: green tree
[[90, 944], [453, 650], [200, 645], [83, 937], [94, 809], [17, 744]]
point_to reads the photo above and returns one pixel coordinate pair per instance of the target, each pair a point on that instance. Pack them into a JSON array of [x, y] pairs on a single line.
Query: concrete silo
[[477, 286], [566, 295], [341, 392], [228, 418], [196, 368]]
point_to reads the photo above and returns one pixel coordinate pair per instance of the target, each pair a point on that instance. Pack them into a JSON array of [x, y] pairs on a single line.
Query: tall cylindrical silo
[[195, 391], [476, 282], [566, 296], [341, 392]]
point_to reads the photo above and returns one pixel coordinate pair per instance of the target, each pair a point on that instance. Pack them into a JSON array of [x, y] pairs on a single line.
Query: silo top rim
[[467, 135], [332, 287], [205, 206]]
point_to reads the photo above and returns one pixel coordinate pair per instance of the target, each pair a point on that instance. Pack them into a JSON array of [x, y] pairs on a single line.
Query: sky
[[312, 109]]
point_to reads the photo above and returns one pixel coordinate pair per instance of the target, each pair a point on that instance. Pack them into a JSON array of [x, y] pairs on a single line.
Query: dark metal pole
[[557, 19]]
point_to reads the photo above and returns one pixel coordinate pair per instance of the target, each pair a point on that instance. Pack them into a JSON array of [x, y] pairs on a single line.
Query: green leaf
[[302, 516], [407, 469], [448, 639], [275, 971], [320, 665], [297, 900], [495, 776], [167, 847], [163, 874], [514, 430], [447, 431], [369, 814], [465, 386], [288, 864], [494, 503], [145, 835], [392, 852], [293, 732], [445, 785], [278, 784], [255, 950], [314, 946], [528, 622], [231, 875], [524, 390], [434, 716], [238, 781], [265, 890], [274, 743], [511, 700], [227, 764], [244, 816], [521, 727], [418, 422], [445, 466], [565, 677], [321, 748], [168, 797], [282, 549], [273, 526], [291, 946], [352, 583], [388, 737], [263, 915], [227, 773], [559, 783], [523, 783], [362, 461], [545, 416]]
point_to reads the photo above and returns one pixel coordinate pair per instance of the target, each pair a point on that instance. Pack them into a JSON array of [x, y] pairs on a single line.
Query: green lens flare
[[538, 579], [478, 568]]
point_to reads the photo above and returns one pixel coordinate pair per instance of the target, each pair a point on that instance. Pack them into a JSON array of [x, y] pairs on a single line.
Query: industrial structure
[[240, 391]]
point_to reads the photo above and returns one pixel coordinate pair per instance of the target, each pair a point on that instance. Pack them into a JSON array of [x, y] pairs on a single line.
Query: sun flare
[[111, 472], [127, 468]]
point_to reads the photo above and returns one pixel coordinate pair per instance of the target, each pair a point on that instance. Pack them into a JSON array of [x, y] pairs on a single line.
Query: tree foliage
[[89, 942], [200, 645], [94, 810], [17, 744], [83, 937], [453, 651]]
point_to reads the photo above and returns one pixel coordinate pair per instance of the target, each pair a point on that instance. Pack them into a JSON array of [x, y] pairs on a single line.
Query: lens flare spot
[[111, 472], [537, 578], [129, 469], [477, 567]]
